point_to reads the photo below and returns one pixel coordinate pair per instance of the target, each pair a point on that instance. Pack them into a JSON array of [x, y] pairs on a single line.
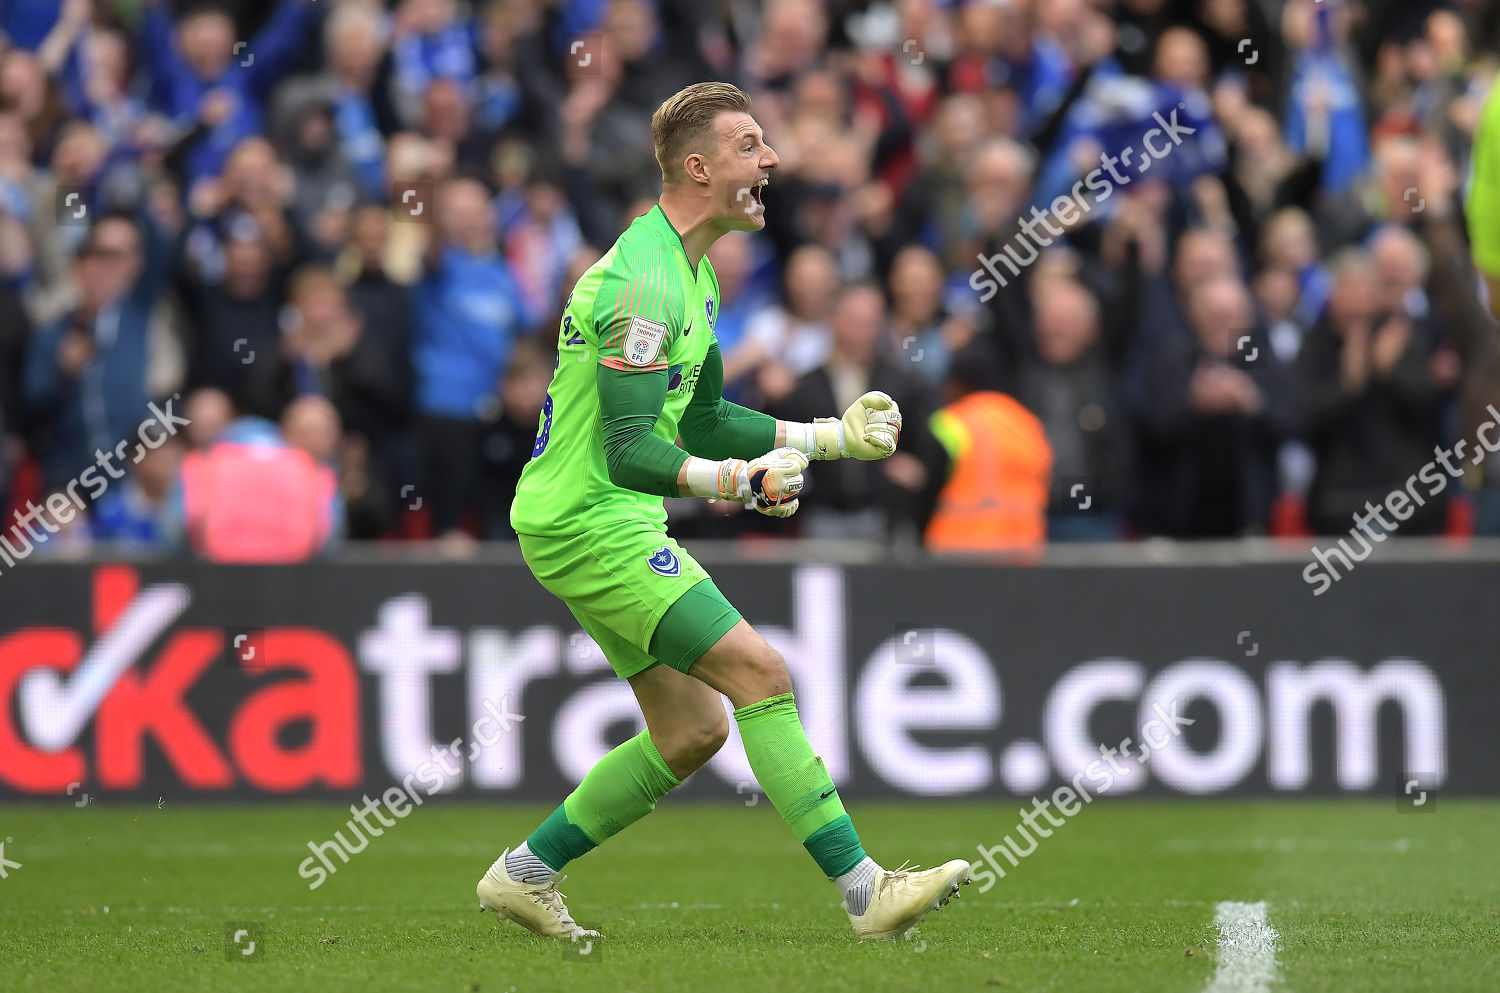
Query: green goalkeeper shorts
[[636, 592]]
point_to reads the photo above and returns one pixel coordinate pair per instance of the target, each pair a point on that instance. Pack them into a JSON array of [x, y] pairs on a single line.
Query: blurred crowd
[[340, 233]]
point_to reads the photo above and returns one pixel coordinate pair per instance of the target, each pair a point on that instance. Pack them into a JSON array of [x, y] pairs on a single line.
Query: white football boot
[[902, 897], [537, 907]]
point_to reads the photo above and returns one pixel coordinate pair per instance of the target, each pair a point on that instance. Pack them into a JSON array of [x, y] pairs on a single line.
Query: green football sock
[[619, 790], [797, 783]]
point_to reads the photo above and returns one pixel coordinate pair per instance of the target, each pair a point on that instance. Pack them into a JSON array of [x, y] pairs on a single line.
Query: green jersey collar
[[668, 225]]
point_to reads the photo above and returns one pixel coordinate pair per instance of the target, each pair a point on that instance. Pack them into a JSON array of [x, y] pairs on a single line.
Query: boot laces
[[551, 898], [900, 873]]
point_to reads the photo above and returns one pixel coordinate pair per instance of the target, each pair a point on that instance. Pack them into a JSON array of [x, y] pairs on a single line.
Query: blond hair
[[679, 124]]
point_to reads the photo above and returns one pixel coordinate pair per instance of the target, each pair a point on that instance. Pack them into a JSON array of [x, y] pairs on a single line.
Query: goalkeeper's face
[[738, 170]]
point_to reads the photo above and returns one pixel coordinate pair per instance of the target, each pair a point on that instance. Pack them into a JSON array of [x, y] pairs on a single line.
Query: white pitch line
[[1247, 949]]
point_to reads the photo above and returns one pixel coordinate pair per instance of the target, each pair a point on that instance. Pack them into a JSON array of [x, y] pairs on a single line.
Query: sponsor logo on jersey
[[643, 341], [665, 563], [681, 379]]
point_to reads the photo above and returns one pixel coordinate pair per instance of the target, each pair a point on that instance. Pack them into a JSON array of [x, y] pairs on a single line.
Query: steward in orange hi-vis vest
[[995, 499]]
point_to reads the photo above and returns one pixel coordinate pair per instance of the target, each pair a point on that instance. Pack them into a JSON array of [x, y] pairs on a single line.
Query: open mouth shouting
[[757, 191]]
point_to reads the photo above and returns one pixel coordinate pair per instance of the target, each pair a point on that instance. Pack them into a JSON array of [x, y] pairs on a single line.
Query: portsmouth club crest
[[665, 563], [708, 305]]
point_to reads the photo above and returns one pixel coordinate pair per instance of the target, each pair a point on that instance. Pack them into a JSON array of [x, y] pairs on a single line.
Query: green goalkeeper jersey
[[639, 309], [1484, 189]]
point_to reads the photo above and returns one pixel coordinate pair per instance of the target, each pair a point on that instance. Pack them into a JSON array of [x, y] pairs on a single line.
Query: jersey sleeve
[[715, 428], [638, 313], [629, 406]]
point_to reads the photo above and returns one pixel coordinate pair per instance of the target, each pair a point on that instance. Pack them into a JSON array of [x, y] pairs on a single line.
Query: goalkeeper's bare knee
[[692, 739], [743, 667], [763, 674]]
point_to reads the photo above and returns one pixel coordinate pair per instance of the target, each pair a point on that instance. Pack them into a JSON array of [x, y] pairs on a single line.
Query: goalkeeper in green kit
[[639, 367], [1483, 206]]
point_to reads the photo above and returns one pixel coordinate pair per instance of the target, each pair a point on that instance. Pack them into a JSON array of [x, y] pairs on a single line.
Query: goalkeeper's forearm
[[716, 428], [732, 431], [629, 405], [639, 460], [727, 430], [727, 479]]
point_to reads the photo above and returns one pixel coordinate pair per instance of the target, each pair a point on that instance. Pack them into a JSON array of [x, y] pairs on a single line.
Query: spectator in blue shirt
[[1111, 121], [541, 238], [353, 46], [1003, 50], [94, 80], [128, 514], [469, 311], [432, 43], [1325, 114], [27, 22], [85, 373], [203, 56]]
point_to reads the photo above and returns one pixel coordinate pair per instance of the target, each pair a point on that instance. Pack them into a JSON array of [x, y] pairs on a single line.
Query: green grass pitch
[[721, 898]]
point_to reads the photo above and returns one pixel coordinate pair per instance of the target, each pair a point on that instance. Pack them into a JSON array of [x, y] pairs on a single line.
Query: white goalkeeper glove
[[869, 430], [770, 483]]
